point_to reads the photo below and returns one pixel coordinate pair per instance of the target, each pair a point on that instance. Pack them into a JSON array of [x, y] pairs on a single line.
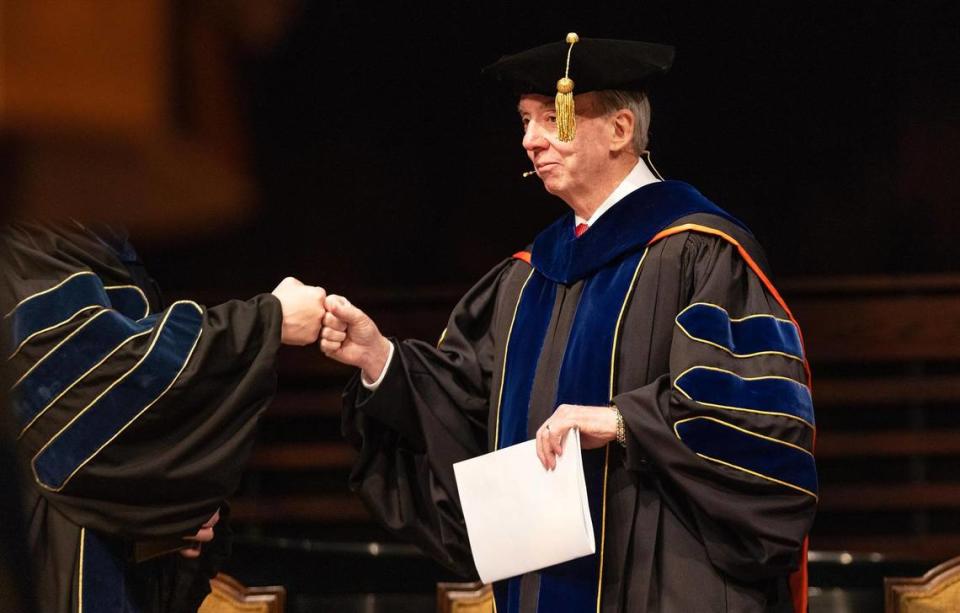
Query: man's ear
[[623, 123]]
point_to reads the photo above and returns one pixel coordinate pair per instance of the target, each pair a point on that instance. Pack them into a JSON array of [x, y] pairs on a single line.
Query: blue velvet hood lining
[[627, 227]]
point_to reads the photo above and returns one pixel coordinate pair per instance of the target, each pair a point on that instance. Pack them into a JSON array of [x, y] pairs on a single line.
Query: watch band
[[621, 430]]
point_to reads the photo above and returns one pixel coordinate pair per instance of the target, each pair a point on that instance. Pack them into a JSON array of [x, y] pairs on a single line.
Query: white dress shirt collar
[[638, 177]]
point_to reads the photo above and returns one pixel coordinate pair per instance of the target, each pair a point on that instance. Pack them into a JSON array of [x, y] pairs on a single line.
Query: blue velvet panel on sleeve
[[752, 453], [133, 393], [55, 306], [747, 336], [726, 390], [71, 360], [129, 301]]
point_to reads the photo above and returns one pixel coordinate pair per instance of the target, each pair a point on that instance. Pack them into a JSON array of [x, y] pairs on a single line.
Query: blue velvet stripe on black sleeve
[[759, 455], [55, 306], [726, 390], [743, 337], [129, 300], [124, 401], [71, 360]]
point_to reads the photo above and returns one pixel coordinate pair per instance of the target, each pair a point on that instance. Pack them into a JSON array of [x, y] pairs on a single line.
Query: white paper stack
[[520, 516]]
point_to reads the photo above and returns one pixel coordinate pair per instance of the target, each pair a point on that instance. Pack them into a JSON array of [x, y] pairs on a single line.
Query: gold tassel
[[566, 119]]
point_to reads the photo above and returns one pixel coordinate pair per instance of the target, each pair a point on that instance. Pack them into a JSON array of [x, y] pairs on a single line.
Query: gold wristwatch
[[621, 431]]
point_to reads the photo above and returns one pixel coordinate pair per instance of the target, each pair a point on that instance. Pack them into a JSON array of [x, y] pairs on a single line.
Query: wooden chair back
[[938, 591], [464, 598], [227, 595]]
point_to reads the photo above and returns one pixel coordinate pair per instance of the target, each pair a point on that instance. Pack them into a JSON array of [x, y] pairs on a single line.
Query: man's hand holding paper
[[521, 517]]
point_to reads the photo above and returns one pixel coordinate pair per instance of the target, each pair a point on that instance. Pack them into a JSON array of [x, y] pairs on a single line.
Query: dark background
[[385, 167], [383, 159]]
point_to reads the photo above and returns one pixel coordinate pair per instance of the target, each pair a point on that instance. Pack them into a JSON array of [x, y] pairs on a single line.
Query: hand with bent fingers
[[303, 311], [349, 336], [598, 426], [203, 535]]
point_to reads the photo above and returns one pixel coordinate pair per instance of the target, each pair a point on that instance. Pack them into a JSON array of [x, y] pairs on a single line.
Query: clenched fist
[[350, 336], [302, 311]]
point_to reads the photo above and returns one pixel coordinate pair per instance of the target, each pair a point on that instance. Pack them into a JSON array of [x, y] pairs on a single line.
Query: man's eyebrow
[[546, 108]]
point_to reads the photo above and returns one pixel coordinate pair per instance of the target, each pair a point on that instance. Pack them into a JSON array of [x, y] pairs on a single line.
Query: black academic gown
[[708, 505], [133, 419]]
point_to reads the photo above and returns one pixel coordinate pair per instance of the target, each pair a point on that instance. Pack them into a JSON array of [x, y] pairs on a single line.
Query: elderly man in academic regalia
[[646, 318]]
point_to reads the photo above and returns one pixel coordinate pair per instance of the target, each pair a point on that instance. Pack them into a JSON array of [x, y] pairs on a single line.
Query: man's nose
[[533, 138]]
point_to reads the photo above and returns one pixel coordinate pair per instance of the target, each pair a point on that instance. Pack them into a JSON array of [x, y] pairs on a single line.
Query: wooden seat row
[[885, 353]]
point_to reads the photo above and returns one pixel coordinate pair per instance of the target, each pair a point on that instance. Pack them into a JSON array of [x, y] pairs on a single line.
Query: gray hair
[[612, 100]]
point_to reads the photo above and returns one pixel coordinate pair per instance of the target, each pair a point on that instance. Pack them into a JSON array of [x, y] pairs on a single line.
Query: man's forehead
[[531, 103], [534, 102]]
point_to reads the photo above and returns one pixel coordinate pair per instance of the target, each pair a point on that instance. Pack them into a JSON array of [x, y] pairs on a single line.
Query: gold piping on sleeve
[[53, 327], [47, 291], [79, 379], [761, 476], [443, 337], [740, 468], [606, 457], [506, 349], [56, 347], [736, 319], [159, 331], [735, 427], [146, 303], [741, 409], [727, 349]]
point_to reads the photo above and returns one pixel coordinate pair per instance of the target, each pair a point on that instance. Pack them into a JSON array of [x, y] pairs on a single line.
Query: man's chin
[[553, 186]]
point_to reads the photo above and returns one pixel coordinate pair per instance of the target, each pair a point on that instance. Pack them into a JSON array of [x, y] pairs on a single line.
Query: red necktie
[[580, 229]]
